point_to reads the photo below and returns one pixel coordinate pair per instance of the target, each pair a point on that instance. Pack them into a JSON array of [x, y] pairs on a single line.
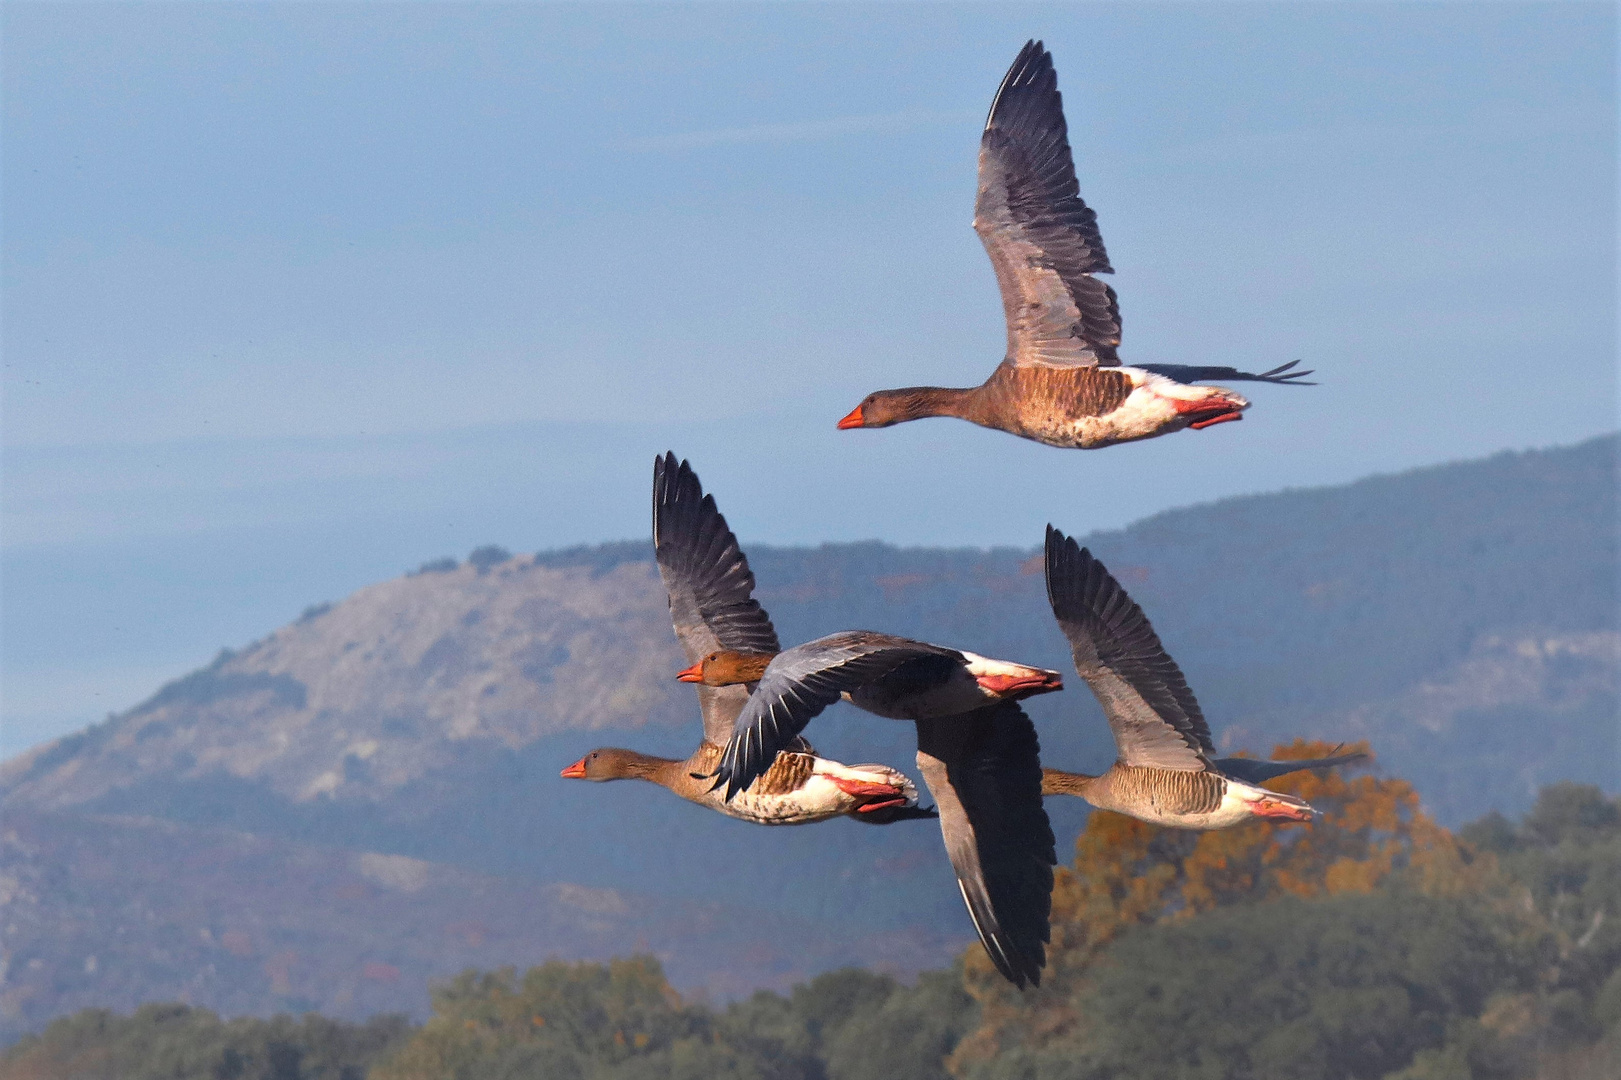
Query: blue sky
[[298, 296]]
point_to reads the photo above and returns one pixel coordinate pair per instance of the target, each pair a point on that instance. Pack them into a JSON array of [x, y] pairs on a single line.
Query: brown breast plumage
[[1040, 399], [1168, 790]]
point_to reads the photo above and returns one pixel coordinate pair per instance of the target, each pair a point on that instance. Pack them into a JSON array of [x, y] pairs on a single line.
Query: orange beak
[[854, 420], [575, 771], [695, 673]]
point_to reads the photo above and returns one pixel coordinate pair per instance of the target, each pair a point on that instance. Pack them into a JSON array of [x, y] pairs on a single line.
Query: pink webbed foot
[[1200, 425], [862, 789], [867, 808]]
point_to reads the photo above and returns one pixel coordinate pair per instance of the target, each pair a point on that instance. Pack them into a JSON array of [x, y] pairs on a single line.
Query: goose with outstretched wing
[[982, 766], [1061, 381], [712, 607], [1167, 772], [977, 750]]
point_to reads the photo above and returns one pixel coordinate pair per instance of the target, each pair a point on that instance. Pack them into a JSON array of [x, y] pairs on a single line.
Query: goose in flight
[[1167, 772], [977, 749], [712, 607], [983, 768], [1061, 382]]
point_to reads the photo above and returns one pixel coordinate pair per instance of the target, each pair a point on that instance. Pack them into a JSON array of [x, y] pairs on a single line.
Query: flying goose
[[977, 750], [983, 768], [1167, 772], [1061, 382], [710, 590]]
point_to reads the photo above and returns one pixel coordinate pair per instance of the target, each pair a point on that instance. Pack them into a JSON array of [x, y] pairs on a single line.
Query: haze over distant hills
[[369, 797]]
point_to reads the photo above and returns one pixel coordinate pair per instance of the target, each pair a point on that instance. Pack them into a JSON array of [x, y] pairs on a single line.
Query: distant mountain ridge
[[1463, 618]]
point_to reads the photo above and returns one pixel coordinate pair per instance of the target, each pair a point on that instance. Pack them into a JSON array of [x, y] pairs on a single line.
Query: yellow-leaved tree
[[1128, 874]]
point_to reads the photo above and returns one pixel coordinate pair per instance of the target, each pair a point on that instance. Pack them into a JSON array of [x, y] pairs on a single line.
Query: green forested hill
[[1461, 618], [1373, 944]]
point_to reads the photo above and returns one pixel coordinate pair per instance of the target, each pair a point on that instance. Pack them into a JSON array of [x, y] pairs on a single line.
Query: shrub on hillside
[[178, 1042], [435, 566], [482, 558]]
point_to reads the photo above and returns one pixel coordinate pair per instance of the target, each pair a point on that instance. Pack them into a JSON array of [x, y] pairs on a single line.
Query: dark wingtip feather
[[1032, 62], [1068, 567]]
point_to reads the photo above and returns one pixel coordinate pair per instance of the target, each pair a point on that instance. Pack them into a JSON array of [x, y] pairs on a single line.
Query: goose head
[[726, 668], [885, 407], [608, 763]]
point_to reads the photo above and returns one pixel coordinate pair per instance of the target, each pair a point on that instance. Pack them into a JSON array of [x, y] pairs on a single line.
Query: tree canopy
[[1369, 943]]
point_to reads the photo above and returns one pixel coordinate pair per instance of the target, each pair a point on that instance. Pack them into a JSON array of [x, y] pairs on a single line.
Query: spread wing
[[710, 586], [1042, 239], [1155, 719], [984, 770], [797, 685]]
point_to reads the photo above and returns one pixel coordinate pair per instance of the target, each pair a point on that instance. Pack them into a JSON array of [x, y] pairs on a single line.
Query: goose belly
[[1144, 414], [1177, 811], [1232, 811], [817, 800], [1172, 798]]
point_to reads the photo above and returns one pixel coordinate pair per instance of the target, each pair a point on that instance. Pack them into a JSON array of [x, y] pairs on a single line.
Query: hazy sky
[[298, 296]]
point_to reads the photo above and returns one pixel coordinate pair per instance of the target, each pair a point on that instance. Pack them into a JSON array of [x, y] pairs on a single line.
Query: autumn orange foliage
[[1128, 873]]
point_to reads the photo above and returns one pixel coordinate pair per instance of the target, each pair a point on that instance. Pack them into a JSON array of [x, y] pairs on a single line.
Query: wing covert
[[797, 685]]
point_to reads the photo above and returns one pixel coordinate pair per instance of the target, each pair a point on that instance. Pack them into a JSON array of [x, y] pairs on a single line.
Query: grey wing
[[797, 685], [709, 583], [1154, 716], [1282, 375], [984, 770], [1042, 239], [1257, 770]]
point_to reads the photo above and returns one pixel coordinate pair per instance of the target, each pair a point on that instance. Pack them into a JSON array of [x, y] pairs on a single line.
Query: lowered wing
[[984, 770]]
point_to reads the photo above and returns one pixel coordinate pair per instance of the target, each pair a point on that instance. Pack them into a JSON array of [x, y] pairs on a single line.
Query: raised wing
[[984, 770], [1154, 716], [710, 586], [1257, 770], [1042, 239], [1191, 373], [797, 685]]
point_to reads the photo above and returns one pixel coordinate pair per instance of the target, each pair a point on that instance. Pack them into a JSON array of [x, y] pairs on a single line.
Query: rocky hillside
[[1461, 618], [119, 911]]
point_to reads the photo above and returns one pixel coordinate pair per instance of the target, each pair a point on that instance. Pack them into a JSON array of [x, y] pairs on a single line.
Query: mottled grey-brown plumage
[[1060, 380], [712, 608], [1166, 772]]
